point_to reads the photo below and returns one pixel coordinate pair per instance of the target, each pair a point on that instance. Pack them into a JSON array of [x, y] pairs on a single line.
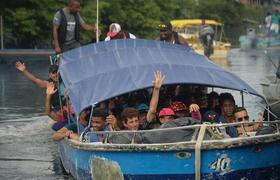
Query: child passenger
[[97, 124]]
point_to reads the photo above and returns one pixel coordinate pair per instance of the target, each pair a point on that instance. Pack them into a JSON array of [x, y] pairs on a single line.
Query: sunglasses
[[241, 118]]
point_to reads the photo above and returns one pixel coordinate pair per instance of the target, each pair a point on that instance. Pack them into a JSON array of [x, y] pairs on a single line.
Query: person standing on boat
[[66, 27], [275, 19], [267, 21], [115, 32], [53, 77], [206, 36], [167, 34]]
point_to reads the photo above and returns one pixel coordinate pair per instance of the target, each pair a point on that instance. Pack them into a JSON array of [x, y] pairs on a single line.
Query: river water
[[26, 148]]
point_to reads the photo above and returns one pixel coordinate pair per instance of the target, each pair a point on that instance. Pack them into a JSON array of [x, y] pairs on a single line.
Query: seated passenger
[[241, 115], [72, 131], [130, 118], [58, 116], [143, 111], [97, 124], [166, 115], [213, 101], [210, 116], [115, 115], [180, 110], [227, 106]]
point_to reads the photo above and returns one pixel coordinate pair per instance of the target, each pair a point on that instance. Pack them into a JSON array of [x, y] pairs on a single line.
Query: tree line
[[28, 23]]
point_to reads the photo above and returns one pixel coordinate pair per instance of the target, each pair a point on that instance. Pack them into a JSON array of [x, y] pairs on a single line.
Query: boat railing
[[187, 134]]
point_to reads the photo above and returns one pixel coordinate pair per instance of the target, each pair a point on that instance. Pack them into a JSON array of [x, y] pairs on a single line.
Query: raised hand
[[112, 122], [20, 66], [193, 108], [50, 88], [158, 79]]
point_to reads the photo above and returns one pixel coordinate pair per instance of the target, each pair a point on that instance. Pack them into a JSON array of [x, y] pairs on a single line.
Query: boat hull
[[251, 162]]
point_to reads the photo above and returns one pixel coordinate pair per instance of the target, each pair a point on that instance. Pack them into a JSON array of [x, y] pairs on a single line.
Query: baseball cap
[[178, 106], [165, 25], [142, 107], [166, 112], [114, 29]]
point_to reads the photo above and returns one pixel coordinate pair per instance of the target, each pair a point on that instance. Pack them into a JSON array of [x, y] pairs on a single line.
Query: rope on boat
[[198, 150]]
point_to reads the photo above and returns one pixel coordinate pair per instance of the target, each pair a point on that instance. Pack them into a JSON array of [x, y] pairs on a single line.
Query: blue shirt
[[231, 130], [93, 137]]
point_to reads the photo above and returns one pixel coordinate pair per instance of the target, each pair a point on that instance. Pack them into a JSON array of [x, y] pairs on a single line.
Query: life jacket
[[63, 25], [121, 35]]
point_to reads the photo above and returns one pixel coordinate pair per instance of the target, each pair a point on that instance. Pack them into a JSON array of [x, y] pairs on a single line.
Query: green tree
[[28, 23]]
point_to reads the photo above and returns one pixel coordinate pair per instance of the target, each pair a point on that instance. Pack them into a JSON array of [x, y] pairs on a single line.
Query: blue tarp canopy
[[100, 71]]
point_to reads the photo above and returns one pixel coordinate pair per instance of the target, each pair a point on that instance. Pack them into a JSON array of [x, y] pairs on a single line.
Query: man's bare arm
[[88, 27], [158, 80], [57, 47], [21, 67]]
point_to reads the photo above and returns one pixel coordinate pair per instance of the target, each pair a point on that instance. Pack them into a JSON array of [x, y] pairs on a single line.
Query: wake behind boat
[[98, 72]]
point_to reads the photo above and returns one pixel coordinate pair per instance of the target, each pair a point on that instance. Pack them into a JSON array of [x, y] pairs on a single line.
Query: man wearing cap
[[66, 27], [167, 34], [143, 110], [115, 32]]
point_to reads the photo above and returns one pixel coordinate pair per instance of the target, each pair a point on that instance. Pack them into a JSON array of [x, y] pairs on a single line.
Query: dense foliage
[[28, 23]]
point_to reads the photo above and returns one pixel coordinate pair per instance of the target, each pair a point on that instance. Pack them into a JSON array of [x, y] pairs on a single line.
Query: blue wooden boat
[[98, 72]]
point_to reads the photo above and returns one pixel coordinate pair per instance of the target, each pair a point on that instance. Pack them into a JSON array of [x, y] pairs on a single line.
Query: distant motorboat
[[189, 29], [254, 40]]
